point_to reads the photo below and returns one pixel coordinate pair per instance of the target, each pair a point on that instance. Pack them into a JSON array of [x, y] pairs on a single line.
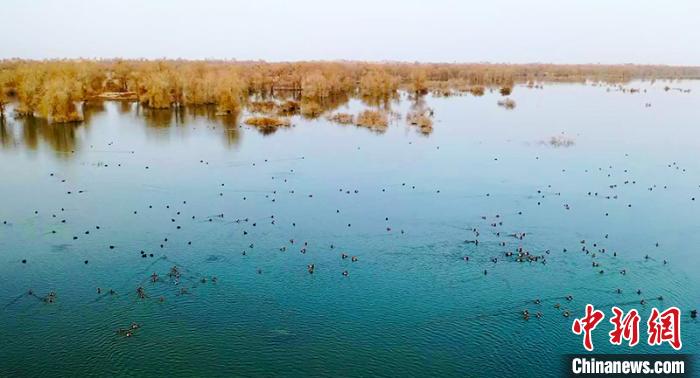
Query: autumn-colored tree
[[378, 83], [199, 85], [58, 99], [30, 81], [157, 89], [230, 93], [119, 76], [5, 78], [315, 86], [56, 88], [91, 78], [418, 82]]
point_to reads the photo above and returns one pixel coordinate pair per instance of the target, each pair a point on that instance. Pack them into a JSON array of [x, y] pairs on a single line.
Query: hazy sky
[[519, 31]]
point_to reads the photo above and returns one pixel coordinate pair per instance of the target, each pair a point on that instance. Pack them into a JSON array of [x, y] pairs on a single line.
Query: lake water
[[411, 305]]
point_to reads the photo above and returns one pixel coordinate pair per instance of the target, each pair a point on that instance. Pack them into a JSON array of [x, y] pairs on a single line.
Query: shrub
[[4, 84], [373, 119], [229, 94], [311, 109], [262, 106], [477, 90], [30, 82], [288, 107], [157, 90], [268, 124], [58, 100], [377, 84], [418, 83]]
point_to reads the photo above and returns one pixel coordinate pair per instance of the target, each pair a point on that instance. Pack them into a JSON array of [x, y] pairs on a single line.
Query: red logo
[[663, 327], [587, 324], [626, 327]]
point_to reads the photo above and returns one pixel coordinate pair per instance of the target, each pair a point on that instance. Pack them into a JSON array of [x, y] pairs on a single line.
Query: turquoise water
[[410, 305]]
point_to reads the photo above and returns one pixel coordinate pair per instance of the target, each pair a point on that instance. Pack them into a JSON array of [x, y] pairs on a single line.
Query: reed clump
[[311, 108], [268, 124], [477, 90], [342, 118], [506, 90], [262, 106], [289, 107], [373, 119]]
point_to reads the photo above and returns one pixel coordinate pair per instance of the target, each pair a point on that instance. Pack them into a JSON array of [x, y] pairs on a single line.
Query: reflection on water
[[382, 102], [312, 109], [92, 108], [589, 183], [30, 133], [158, 118], [62, 137]]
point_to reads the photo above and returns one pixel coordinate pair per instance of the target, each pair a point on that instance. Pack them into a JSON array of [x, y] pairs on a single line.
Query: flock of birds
[[513, 246]]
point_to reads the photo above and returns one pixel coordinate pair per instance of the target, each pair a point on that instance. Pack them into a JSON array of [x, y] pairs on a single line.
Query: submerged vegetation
[[422, 120], [342, 118], [507, 103], [268, 124], [560, 141], [57, 90]]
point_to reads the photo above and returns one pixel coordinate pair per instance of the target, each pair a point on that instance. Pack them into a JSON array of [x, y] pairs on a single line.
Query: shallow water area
[[230, 200]]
